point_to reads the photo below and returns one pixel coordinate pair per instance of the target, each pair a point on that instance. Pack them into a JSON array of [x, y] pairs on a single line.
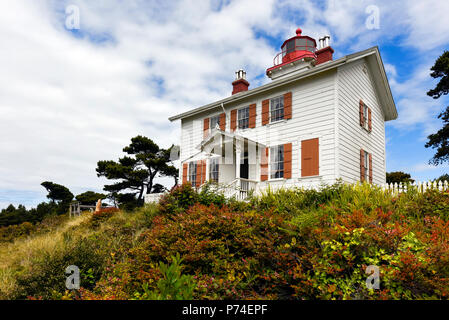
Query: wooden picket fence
[[420, 186]]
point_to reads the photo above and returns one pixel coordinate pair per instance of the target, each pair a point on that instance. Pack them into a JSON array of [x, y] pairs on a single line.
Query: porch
[[231, 161]]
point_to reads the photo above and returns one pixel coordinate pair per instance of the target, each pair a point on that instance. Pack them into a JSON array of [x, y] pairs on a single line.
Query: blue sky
[[72, 97]]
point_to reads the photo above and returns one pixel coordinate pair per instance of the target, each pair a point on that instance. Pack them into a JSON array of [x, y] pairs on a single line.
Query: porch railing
[[240, 188]]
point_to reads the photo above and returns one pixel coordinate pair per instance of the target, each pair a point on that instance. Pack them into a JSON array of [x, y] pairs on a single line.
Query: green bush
[[210, 194], [296, 200], [46, 278], [178, 199], [172, 286]]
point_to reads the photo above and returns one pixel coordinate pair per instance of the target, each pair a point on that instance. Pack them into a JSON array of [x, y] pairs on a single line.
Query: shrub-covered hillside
[[288, 244]]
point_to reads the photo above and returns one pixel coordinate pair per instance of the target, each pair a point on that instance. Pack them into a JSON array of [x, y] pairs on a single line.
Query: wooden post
[[98, 207]]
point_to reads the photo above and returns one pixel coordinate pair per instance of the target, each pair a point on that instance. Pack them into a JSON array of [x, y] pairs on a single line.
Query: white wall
[[313, 116], [354, 84]]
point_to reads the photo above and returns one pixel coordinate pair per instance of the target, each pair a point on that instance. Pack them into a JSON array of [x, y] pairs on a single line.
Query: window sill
[[242, 130], [276, 179], [276, 122], [310, 177], [366, 129]]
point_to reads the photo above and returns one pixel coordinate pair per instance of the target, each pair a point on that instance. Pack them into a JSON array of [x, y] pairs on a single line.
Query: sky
[[73, 94]]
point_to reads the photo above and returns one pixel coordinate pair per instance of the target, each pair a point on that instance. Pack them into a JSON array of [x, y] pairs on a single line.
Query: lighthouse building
[[317, 121]]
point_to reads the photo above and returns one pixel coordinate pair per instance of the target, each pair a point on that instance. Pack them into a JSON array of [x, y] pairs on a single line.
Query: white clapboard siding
[[313, 116], [355, 84]]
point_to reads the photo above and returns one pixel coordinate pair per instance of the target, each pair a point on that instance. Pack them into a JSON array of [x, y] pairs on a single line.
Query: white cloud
[[67, 102]]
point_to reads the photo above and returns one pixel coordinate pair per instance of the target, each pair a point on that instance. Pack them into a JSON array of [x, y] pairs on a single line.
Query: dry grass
[[17, 256]]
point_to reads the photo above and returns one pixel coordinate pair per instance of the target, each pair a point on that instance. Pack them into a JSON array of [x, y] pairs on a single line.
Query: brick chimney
[[240, 84], [325, 52]]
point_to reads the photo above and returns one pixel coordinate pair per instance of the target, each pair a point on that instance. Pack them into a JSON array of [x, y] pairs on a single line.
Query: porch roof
[[219, 138]]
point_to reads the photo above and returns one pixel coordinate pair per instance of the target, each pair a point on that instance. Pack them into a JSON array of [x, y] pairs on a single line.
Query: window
[[277, 162], [298, 44], [277, 108], [192, 173], [214, 121], [291, 46], [243, 118], [366, 166], [365, 116], [213, 169]]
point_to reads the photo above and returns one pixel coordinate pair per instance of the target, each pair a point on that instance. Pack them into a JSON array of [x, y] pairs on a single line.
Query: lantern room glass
[[298, 44]]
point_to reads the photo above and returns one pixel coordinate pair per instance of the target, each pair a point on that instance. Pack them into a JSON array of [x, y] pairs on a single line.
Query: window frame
[[365, 117], [191, 176], [272, 110], [214, 163], [366, 165], [245, 119], [277, 169], [211, 127]]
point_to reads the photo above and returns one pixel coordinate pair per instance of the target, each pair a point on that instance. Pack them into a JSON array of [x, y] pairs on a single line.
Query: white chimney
[[321, 43], [327, 41], [240, 74]]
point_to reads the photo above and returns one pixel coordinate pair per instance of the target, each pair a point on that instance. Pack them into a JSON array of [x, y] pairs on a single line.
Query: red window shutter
[[370, 168], [362, 165], [288, 105], [203, 171], [206, 128], [198, 174], [370, 127], [265, 112], [252, 116], [223, 122], [362, 120], [310, 161], [287, 161], [185, 168], [233, 120], [264, 165]]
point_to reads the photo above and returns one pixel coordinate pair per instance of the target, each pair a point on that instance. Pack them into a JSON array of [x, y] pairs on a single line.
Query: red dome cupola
[[298, 47], [298, 53]]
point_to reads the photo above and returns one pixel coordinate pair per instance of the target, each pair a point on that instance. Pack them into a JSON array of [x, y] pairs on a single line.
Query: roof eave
[[268, 86]]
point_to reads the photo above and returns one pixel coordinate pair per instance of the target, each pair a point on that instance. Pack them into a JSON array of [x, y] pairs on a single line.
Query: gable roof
[[374, 62]]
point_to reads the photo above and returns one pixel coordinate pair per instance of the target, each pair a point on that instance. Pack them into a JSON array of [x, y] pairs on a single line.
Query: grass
[[24, 256], [19, 255], [105, 247]]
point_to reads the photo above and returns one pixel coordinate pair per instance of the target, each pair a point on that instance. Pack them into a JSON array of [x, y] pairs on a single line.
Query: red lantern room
[[298, 47], [299, 52]]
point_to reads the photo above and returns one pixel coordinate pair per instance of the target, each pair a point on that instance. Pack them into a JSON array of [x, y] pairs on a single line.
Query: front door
[[244, 166]]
